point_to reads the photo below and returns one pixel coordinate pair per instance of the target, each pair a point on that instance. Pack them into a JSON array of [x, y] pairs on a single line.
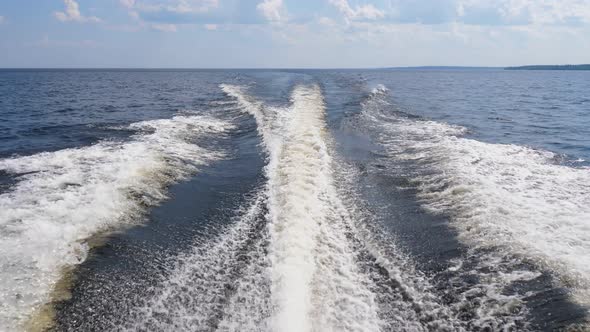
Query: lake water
[[294, 200]]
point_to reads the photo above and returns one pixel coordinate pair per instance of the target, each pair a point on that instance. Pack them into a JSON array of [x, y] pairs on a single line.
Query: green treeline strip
[[551, 67]]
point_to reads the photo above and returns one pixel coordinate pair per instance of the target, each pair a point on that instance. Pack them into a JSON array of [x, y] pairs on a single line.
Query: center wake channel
[[315, 284], [286, 263], [301, 256]]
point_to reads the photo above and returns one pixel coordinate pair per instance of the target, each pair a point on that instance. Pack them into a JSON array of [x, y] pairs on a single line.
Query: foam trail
[[330, 269], [194, 295], [315, 284], [296, 212], [223, 283], [299, 259], [502, 195], [66, 196]]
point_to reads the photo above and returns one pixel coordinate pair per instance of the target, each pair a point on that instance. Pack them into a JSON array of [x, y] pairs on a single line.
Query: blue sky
[[292, 33]]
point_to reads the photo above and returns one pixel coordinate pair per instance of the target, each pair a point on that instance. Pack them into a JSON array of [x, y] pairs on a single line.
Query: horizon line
[[287, 68], [252, 68]]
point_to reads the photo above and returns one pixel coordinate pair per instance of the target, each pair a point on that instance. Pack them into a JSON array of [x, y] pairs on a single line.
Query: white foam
[[379, 89], [502, 195], [193, 295], [66, 196], [314, 266], [406, 297], [304, 269], [315, 284]]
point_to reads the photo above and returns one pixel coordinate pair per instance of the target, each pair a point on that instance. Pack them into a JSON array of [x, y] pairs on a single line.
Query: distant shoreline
[[427, 68], [441, 68], [551, 67]]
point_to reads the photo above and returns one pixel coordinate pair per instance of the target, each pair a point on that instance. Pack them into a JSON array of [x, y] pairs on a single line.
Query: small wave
[[329, 266], [411, 299], [68, 195], [315, 283], [498, 195], [220, 284], [380, 89], [306, 256]]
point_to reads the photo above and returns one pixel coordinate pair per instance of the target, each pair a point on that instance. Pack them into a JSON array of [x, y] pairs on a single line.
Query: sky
[[292, 33]]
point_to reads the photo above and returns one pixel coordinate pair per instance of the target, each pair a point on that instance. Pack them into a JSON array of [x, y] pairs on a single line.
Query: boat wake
[[516, 204], [62, 198], [303, 255], [306, 252]]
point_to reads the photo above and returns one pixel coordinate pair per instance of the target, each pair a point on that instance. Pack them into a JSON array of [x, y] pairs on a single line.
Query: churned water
[[294, 200]]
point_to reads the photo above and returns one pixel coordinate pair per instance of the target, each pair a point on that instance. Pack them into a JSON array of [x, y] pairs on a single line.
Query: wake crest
[[64, 197], [300, 255]]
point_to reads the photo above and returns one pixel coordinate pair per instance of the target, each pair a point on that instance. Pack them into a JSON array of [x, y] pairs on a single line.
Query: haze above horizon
[[292, 34]]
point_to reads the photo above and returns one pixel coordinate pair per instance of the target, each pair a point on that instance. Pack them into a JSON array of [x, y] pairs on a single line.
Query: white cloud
[[554, 12], [72, 13], [529, 11], [127, 3], [174, 6], [2, 19], [271, 9], [363, 12], [138, 8], [384, 44], [164, 27], [192, 6], [472, 12]]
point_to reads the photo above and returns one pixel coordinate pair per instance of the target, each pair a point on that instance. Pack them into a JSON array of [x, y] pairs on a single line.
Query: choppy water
[[294, 200]]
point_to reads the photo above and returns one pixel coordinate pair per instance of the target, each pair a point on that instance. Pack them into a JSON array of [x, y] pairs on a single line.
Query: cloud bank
[[72, 13]]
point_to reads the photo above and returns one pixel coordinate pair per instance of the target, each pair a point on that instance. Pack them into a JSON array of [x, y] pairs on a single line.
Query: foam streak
[[66, 196]]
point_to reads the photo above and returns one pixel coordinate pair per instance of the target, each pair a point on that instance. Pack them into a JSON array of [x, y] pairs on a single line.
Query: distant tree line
[[551, 67]]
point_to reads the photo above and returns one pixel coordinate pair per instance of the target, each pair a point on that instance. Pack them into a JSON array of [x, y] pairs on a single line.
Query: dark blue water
[[547, 110], [415, 200], [55, 109]]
